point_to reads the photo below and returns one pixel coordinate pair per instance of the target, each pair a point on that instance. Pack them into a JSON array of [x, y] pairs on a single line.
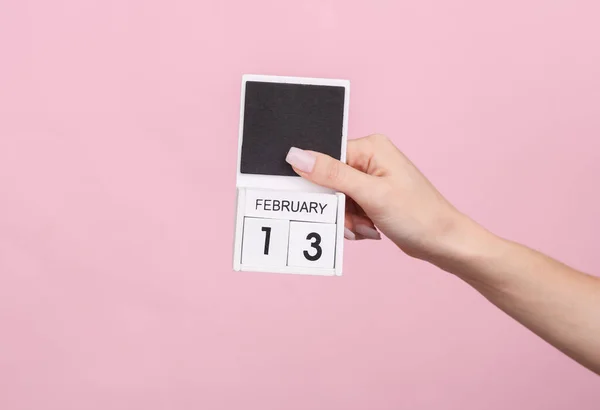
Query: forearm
[[556, 302]]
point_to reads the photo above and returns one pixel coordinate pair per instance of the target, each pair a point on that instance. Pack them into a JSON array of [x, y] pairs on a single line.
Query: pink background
[[118, 141]]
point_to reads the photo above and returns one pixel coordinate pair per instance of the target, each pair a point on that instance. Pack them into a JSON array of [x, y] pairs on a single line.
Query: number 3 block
[[311, 245], [265, 242]]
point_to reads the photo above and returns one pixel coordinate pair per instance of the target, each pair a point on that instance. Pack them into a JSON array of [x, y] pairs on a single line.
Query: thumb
[[329, 172]]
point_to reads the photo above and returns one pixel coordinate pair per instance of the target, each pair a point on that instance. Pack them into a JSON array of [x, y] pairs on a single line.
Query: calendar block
[[312, 245], [297, 206], [265, 242], [284, 223]]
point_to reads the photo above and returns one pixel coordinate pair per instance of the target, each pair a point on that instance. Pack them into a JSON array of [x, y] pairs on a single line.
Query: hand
[[386, 192]]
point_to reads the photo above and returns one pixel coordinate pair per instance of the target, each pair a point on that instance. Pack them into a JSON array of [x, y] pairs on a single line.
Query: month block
[[265, 242], [298, 206], [312, 245]]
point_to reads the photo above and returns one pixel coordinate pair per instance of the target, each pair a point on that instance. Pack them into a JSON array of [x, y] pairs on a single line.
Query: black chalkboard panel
[[278, 116]]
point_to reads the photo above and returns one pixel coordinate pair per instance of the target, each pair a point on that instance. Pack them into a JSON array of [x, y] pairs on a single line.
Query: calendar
[[284, 223]]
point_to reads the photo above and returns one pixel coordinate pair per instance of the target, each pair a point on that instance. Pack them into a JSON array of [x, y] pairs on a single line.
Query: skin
[[388, 194]]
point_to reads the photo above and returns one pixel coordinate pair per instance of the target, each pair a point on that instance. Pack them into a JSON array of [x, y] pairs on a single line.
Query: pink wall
[[119, 118]]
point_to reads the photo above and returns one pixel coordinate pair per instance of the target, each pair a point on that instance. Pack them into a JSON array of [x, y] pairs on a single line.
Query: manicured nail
[[367, 232], [348, 234], [300, 159]]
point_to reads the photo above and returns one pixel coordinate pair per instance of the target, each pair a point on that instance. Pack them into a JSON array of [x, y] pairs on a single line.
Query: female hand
[[386, 192]]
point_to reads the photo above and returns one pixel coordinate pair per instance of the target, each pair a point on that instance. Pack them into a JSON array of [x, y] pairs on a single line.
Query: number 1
[[267, 231]]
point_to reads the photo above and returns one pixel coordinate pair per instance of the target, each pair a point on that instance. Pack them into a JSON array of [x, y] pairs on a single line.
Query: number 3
[[315, 244]]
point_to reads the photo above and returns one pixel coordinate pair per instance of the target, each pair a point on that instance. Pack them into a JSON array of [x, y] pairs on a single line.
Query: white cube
[[265, 242], [311, 245]]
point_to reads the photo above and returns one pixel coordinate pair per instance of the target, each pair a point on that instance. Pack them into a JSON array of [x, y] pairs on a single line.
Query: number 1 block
[[265, 242], [311, 245]]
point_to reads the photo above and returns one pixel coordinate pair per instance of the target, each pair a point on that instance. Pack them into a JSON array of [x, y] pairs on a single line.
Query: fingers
[[356, 179], [363, 227], [357, 225], [359, 153], [329, 172], [369, 154], [348, 226]]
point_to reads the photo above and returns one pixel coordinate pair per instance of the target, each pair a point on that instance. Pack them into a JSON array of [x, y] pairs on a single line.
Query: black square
[[278, 116]]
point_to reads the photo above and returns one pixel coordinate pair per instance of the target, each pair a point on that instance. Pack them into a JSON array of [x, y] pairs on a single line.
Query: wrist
[[464, 247]]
